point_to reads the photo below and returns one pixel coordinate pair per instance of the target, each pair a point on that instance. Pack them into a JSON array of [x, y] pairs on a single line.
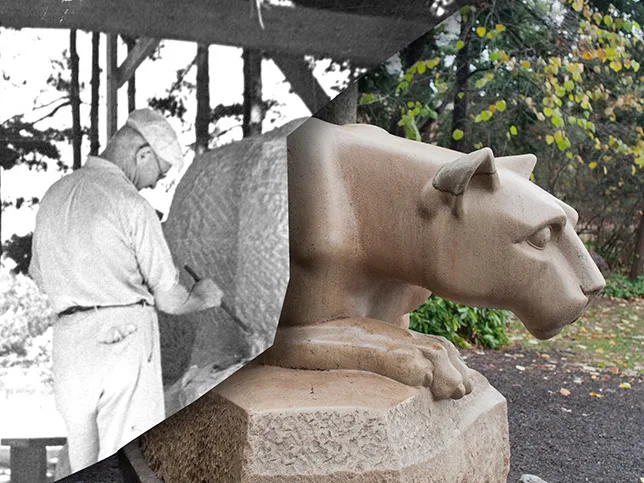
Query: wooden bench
[[28, 458]]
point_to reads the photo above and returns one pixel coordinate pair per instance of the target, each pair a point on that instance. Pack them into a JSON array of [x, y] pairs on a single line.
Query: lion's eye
[[541, 238]]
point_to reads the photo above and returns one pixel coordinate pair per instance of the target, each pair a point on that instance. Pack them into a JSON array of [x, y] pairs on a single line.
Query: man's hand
[[208, 293], [205, 294]]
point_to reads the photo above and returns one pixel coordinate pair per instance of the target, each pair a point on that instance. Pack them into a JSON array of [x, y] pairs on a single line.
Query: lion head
[[506, 243]]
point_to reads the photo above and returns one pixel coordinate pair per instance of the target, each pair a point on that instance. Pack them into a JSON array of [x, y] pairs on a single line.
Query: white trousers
[[108, 392]]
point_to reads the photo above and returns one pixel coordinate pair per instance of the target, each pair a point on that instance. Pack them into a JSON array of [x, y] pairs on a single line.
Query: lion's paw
[[374, 346], [450, 378]]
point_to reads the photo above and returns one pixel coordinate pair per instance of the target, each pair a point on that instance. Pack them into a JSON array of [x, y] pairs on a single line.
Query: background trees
[[560, 79]]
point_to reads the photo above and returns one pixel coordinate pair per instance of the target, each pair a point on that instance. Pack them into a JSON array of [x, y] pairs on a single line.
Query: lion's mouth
[[543, 334], [588, 304]]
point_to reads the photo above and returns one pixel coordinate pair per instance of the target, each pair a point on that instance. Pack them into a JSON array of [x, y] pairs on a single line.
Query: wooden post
[[119, 75], [141, 50], [112, 86], [28, 458]]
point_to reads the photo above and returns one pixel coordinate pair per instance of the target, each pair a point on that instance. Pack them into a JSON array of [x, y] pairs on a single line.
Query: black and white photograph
[[144, 202], [144, 215]]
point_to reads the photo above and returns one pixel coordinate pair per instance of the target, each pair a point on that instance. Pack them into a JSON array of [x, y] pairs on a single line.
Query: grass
[[608, 337]]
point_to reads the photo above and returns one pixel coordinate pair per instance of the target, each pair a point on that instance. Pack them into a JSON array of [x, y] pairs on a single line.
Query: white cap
[[158, 132]]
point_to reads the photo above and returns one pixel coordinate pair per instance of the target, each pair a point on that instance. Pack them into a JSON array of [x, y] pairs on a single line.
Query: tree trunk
[[459, 115], [253, 106], [74, 95], [638, 256], [408, 57], [131, 84], [94, 144], [202, 122]]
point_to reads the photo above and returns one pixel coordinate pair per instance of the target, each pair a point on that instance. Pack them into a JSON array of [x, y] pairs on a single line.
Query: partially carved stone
[[376, 223], [229, 221]]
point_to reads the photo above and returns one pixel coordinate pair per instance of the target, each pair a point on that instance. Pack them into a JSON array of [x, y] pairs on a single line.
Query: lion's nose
[[593, 286], [592, 281]]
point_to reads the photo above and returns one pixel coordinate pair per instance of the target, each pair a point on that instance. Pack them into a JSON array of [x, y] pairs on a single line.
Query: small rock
[[530, 479]]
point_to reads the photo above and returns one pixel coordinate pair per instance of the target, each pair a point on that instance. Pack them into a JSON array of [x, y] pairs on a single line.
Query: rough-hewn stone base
[[267, 425]]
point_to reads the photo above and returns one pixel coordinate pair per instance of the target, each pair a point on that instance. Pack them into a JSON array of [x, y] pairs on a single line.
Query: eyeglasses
[[162, 174]]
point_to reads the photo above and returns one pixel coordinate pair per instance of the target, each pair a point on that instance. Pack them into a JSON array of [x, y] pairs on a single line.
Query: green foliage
[[22, 142], [460, 324], [18, 248], [24, 314], [562, 80], [619, 286], [169, 105]]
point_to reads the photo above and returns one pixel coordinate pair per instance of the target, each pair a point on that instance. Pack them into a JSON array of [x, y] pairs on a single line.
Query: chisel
[[236, 319]]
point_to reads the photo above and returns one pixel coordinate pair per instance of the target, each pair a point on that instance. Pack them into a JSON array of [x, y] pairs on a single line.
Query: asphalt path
[[567, 426]]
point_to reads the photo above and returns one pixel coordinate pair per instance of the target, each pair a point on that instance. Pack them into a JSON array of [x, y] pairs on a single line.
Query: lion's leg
[[373, 346]]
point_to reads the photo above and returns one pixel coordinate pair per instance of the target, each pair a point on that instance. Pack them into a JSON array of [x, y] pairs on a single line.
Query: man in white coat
[[100, 256]]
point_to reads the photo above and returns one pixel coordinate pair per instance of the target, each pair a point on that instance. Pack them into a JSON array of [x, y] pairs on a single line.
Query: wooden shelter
[[365, 33]]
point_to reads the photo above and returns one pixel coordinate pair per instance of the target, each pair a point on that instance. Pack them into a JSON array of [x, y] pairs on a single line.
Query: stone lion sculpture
[[347, 392], [377, 222]]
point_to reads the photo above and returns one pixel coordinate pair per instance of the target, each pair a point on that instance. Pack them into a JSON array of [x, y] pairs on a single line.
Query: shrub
[[619, 286], [460, 324], [24, 314]]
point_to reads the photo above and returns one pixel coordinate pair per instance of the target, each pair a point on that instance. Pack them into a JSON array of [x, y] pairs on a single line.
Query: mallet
[[236, 319]]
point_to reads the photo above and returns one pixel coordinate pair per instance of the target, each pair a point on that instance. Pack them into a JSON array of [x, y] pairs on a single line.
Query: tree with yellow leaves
[[561, 79]]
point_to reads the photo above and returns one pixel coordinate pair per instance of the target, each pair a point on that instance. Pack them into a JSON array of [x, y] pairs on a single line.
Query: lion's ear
[[522, 164], [452, 179]]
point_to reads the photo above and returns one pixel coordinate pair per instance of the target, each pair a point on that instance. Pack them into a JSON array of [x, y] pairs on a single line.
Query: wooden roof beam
[[366, 40], [303, 82], [143, 49]]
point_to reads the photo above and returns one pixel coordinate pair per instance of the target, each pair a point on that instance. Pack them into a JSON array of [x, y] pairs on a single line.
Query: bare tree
[[253, 107], [638, 255], [459, 115], [94, 145], [202, 121], [131, 84], [74, 94]]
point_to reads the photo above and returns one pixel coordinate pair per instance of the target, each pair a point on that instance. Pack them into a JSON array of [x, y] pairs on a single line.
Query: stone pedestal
[[267, 425]]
